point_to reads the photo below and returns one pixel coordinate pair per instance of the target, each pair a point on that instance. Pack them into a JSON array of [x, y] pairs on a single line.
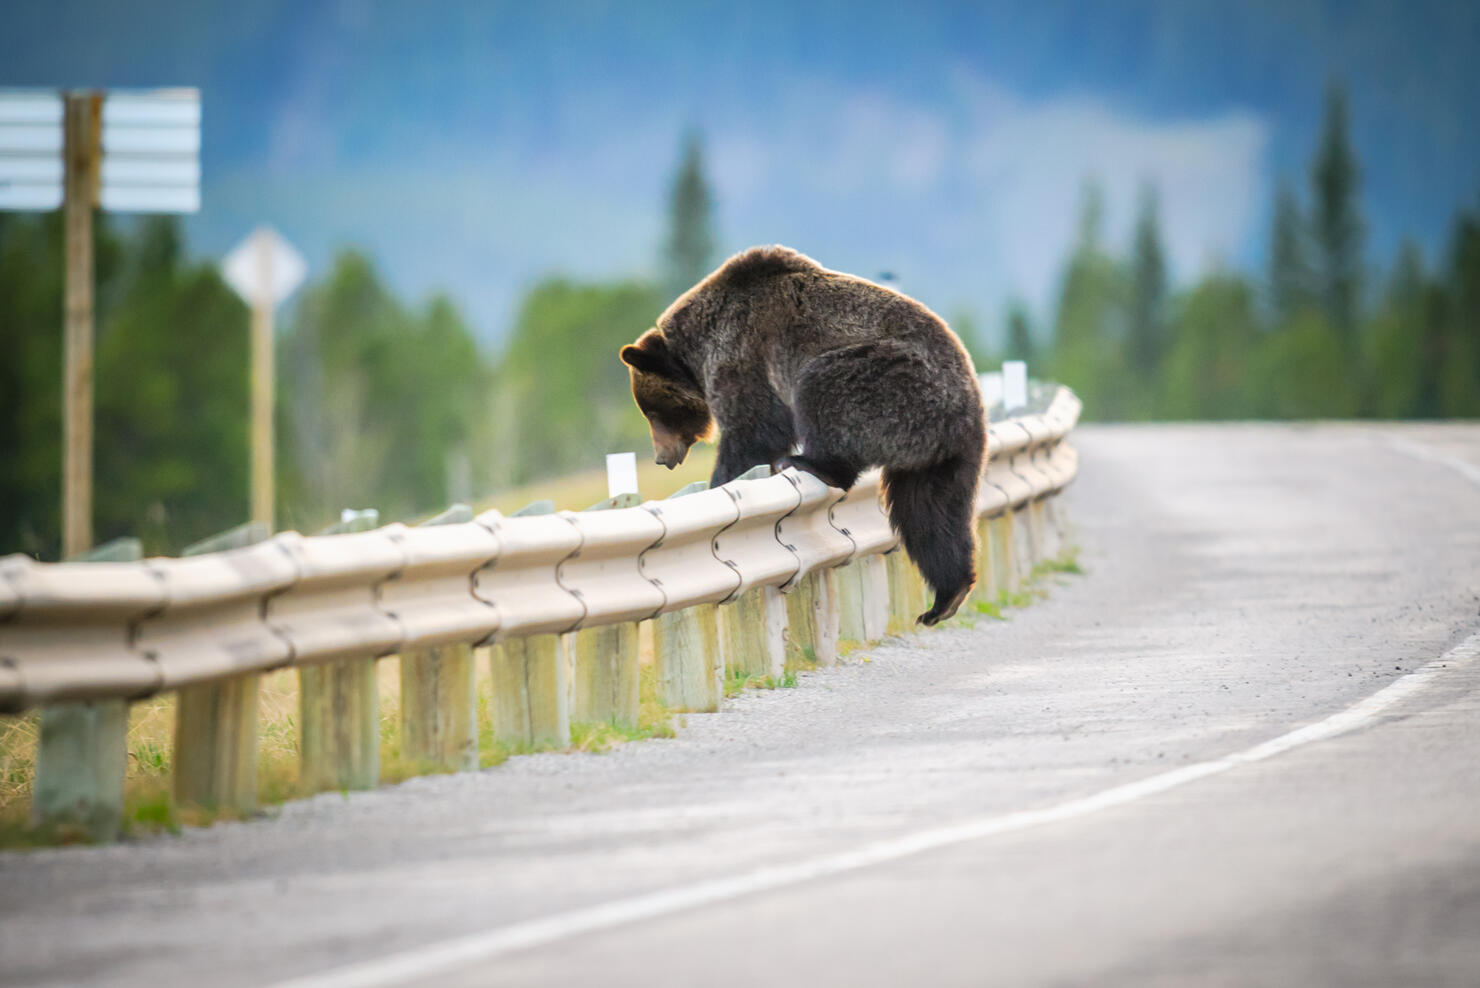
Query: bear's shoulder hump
[[763, 262]]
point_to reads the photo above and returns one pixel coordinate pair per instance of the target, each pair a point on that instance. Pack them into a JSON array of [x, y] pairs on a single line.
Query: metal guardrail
[[98, 630]]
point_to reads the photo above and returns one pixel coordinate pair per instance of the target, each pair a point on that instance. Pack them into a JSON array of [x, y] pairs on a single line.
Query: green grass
[[150, 808], [991, 608], [1067, 562], [738, 682], [1032, 587]]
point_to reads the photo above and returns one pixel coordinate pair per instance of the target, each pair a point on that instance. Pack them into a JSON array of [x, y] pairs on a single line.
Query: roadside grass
[[654, 720], [1033, 586], [1066, 562], [738, 682], [150, 807]]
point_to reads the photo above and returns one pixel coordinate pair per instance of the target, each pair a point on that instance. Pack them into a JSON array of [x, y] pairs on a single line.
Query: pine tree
[[1338, 227], [1147, 331], [689, 252], [1459, 382], [1020, 336], [1289, 268], [1089, 330], [1402, 348]]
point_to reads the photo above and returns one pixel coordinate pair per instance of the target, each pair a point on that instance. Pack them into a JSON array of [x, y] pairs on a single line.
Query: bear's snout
[[670, 456]]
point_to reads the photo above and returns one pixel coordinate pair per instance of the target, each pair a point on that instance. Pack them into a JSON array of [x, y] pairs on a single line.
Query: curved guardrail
[[738, 579], [72, 631]]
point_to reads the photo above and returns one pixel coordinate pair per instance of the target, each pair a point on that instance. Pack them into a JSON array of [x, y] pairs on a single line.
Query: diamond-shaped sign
[[264, 268]]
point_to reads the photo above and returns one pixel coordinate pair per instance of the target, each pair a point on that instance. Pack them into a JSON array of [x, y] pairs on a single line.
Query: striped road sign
[[150, 151]]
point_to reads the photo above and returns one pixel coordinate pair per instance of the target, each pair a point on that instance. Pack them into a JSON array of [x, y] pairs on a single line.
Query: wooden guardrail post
[[215, 749], [339, 707], [875, 579], [752, 633], [1004, 553], [691, 667], [852, 628], [813, 619], [986, 588], [1048, 544], [530, 692], [1024, 549], [82, 748], [605, 665], [1030, 516], [439, 713], [605, 669], [906, 592], [531, 682], [863, 599], [1057, 523], [686, 649], [826, 617]]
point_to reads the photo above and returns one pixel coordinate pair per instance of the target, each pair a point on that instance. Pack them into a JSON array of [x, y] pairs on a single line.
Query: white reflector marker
[[621, 474], [991, 383], [1014, 385]]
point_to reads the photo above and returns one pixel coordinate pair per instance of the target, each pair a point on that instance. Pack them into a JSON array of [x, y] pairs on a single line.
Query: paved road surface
[[1243, 582]]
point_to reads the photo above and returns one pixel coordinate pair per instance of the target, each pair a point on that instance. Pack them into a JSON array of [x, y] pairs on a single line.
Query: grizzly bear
[[780, 352]]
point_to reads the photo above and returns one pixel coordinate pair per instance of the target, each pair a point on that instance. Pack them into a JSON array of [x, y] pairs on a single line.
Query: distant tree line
[[386, 405], [1323, 334], [379, 404]]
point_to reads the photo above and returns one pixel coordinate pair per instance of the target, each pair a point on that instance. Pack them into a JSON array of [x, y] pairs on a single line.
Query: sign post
[[81, 150], [83, 113], [264, 270]]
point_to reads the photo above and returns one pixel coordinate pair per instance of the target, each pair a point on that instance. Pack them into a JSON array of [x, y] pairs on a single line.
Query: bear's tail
[[934, 511]]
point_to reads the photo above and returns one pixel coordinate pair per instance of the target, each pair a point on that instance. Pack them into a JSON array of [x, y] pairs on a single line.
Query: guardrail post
[[813, 618], [986, 589], [1048, 543], [686, 648], [1024, 547], [906, 592], [752, 633], [1037, 538], [1057, 523], [605, 664], [339, 708], [530, 706], [852, 628], [439, 714], [215, 748], [875, 580], [691, 668], [606, 669], [531, 681], [82, 748], [1004, 553]]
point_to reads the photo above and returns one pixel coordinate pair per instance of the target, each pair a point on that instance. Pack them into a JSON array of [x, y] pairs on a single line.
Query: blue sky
[[473, 147]]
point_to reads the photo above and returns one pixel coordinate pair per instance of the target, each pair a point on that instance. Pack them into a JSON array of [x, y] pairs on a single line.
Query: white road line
[[1427, 453], [420, 962]]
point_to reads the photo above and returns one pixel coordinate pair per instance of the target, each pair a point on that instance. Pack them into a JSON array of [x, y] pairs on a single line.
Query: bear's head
[[669, 396]]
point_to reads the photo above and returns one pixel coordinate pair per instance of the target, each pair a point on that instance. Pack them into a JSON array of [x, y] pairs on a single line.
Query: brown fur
[[780, 351]]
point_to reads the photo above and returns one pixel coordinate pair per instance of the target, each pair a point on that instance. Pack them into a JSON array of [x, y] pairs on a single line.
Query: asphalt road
[[1083, 794]]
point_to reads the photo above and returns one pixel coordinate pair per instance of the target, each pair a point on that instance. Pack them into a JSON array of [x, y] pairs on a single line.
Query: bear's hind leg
[[834, 472]]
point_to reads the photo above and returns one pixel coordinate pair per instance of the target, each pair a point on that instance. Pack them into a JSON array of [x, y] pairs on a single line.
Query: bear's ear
[[649, 354], [634, 357]]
